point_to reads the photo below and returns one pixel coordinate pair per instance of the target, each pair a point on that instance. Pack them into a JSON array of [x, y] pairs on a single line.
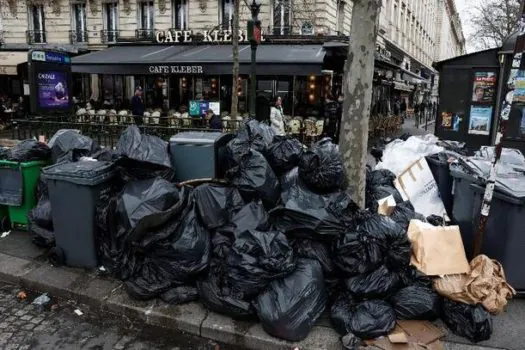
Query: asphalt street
[[24, 326]]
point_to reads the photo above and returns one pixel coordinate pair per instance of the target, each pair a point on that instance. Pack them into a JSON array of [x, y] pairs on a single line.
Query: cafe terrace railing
[[106, 130]]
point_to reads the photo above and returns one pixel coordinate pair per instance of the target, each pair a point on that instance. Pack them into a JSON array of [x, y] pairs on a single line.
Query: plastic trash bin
[[74, 189], [463, 206], [441, 171], [504, 238], [18, 182], [197, 155]]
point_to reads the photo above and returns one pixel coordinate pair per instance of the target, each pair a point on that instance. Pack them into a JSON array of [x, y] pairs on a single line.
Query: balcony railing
[[36, 37], [78, 37], [145, 34], [109, 36]]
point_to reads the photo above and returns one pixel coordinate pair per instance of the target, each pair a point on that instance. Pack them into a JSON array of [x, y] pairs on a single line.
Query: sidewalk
[[24, 264]]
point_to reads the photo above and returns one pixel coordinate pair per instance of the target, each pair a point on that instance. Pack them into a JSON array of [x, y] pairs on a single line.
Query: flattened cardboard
[[411, 335]]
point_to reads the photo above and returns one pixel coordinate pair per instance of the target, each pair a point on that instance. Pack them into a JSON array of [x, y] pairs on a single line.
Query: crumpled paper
[[485, 284]]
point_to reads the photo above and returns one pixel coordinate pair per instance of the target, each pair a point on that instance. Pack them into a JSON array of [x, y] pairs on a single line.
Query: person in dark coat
[[214, 121], [403, 109], [137, 106], [332, 118]]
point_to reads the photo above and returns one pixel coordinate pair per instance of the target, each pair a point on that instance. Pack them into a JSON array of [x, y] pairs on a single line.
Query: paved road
[[23, 327]]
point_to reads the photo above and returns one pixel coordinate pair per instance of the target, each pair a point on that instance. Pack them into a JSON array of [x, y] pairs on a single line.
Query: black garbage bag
[[288, 181], [136, 170], [315, 250], [374, 194], [377, 284], [284, 154], [469, 321], [234, 151], [411, 276], [376, 178], [321, 167], [180, 295], [146, 148], [253, 216], [70, 146], [255, 179], [397, 249], [260, 135], [416, 303], [104, 155], [290, 307], [309, 215], [367, 320], [40, 223], [26, 151], [356, 253], [218, 296], [436, 220], [256, 259], [149, 282], [403, 213], [217, 204]]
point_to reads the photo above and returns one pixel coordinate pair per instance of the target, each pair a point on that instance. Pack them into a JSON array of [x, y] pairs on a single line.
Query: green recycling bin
[[18, 182]]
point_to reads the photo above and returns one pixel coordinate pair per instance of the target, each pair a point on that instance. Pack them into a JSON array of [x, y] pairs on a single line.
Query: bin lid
[[196, 137], [89, 173]]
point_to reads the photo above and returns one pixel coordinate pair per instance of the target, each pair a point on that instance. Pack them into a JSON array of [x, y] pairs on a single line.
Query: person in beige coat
[[277, 117]]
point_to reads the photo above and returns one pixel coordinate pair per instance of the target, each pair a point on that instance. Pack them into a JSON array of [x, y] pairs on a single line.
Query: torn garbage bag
[[217, 295], [290, 307], [379, 284], [367, 320], [70, 146], [284, 154], [255, 179], [28, 150], [321, 167], [416, 303], [217, 204], [469, 321], [256, 259]]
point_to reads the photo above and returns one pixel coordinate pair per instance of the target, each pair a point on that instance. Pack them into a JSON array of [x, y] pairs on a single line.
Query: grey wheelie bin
[[504, 238], [74, 189], [440, 169]]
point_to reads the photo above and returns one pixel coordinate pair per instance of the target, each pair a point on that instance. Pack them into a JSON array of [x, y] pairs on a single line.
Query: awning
[[201, 59], [9, 60], [402, 87]]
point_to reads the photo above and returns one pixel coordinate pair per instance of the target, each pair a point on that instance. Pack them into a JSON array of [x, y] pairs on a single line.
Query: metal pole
[[253, 83]]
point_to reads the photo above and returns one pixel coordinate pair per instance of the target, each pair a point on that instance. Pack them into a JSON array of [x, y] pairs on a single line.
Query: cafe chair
[[113, 117], [186, 120], [295, 126], [310, 131], [227, 123], [101, 116], [146, 117], [155, 118]]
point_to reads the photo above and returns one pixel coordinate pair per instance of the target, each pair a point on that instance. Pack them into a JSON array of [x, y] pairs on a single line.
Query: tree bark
[[357, 90], [235, 54]]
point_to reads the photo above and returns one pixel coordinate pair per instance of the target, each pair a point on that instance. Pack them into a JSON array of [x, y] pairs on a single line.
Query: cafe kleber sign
[[208, 36], [175, 69]]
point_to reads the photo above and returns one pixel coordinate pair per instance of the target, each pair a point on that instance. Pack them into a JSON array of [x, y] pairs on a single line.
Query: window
[[180, 14], [281, 17], [38, 25], [79, 23], [226, 13], [146, 15], [111, 21], [340, 17]]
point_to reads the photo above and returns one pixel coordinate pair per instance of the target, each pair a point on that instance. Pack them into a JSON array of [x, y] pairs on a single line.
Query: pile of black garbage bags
[[282, 242]]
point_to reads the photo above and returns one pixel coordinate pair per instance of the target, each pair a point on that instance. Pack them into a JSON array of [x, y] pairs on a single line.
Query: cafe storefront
[[181, 68]]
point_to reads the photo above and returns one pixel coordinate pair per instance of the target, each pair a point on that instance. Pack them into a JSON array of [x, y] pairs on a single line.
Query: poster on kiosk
[[50, 82]]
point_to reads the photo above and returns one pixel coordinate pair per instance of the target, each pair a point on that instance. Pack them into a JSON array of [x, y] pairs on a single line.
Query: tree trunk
[[357, 90], [235, 70]]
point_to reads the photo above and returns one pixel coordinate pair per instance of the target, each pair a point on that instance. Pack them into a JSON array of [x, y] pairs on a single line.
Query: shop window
[[79, 33], [111, 21], [37, 24], [112, 91], [281, 17], [146, 15], [180, 14], [226, 13]]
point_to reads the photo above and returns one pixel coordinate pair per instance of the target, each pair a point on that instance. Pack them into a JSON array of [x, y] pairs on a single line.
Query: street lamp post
[[254, 34]]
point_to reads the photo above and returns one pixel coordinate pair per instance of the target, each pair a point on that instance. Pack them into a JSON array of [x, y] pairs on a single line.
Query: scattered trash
[[78, 312], [26, 151], [41, 302], [21, 295], [5, 234]]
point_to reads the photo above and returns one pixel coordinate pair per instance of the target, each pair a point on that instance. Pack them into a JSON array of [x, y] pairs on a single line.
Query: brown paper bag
[[484, 284], [437, 251]]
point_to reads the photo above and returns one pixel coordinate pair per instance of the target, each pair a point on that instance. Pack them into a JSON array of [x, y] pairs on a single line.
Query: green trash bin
[[18, 182]]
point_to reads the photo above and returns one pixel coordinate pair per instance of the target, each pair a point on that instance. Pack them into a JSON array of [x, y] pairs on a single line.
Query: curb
[[191, 318]]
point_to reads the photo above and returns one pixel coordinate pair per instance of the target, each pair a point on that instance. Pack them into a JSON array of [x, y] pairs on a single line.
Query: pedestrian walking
[[137, 106], [416, 114], [277, 117], [403, 110]]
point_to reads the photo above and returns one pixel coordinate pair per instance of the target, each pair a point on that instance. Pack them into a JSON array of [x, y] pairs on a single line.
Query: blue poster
[[52, 90], [480, 120]]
